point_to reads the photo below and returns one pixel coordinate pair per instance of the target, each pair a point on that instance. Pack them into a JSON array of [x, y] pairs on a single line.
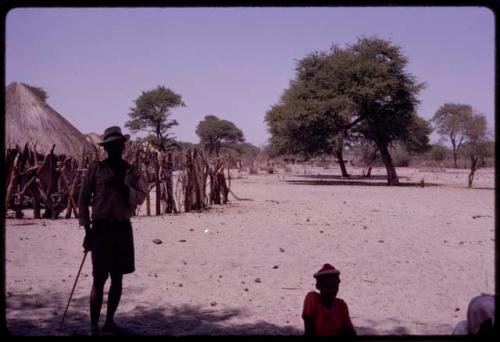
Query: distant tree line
[[152, 114], [358, 98]]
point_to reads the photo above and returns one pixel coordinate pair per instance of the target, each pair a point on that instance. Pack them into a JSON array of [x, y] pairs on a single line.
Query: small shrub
[[438, 152], [401, 159]]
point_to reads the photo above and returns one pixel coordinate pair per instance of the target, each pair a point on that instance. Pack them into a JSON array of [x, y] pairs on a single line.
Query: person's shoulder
[[312, 295], [311, 304], [341, 302]]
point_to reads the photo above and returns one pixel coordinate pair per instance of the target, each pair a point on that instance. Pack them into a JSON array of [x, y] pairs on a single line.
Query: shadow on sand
[[351, 177], [40, 315], [350, 181], [377, 328], [37, 315]]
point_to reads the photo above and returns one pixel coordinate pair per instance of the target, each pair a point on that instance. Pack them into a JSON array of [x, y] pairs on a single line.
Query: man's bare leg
[[96, 295], [114, 295]]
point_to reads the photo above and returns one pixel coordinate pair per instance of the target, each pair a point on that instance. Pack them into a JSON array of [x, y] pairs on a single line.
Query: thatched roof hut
[[28, 119], [94, 139]]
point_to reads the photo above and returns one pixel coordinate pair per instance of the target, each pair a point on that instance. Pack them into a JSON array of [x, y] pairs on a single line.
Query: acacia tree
[[299, 125], [362, 89], [151, 114], [215, 133], [450, 120], [477, 146]]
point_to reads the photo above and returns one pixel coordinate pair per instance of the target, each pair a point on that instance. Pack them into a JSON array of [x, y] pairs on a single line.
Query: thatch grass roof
[[94, 138], [28, 119]]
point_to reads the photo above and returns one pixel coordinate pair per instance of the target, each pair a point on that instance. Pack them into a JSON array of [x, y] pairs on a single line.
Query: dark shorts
[[112, 248]]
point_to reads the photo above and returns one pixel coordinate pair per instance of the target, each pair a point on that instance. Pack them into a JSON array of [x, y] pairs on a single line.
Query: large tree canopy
[[361, 91], [215, 132], [450, 120], [478, 145], [151, 114]]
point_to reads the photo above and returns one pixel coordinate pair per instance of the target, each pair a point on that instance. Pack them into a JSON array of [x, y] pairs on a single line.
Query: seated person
[[324, 314], [480, 317]]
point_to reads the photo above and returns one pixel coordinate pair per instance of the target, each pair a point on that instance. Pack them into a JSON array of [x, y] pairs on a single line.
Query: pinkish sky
[[233, 62]]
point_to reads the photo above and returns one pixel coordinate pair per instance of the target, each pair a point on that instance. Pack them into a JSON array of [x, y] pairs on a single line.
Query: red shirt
[[327, 321]]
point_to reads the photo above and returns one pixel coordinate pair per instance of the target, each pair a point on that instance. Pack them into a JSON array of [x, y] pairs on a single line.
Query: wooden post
[[34, 189], [196, 184], [35, 156], [50, 210], [188, 189], [148, 188], [157, 185], [148, 201], [228, 187], [12, 179], [19, 202], [223, 186], [138, 164], [36, 196], [171, 207], [34, 192], [69, 189]]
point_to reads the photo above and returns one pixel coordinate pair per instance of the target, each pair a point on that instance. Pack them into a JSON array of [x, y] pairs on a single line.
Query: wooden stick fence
[[52, 182]]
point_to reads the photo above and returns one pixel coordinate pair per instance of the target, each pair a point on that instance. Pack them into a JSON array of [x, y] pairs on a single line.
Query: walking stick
[[74, 285]]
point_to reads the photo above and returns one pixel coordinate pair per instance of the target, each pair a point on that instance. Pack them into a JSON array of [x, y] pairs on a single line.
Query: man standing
[[112, 188]]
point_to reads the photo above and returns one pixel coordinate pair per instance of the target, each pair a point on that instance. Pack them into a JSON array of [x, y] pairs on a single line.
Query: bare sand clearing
[[411, 258]]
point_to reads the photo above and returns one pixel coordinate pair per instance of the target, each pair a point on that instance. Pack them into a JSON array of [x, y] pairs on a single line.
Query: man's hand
[[87, 240]]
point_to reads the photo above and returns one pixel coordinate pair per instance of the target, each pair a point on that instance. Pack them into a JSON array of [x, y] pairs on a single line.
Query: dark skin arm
[[308, 326]]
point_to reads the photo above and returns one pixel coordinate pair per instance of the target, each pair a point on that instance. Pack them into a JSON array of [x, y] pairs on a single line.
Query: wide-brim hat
[[327, 269], [113, 133]]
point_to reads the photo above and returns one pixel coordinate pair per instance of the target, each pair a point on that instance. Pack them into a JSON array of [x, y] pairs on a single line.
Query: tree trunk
[[340, 157], [473, 168], [392, 177], [454, 154]]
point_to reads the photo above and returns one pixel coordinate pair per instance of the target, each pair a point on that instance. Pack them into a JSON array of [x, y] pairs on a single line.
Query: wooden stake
[[70, 192], [11, 181], [157, 185]]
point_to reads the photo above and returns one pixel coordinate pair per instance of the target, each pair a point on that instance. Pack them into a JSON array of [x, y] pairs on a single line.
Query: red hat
[[327, 269]]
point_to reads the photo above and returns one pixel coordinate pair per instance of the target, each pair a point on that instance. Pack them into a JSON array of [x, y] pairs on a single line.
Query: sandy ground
[[411, 258]]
